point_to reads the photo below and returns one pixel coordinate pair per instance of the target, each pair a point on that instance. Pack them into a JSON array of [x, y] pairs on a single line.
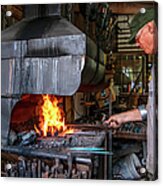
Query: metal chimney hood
[[42, 55]]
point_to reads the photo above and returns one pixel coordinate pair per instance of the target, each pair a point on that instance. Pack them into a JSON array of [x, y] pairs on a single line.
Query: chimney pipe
[[42, 10]]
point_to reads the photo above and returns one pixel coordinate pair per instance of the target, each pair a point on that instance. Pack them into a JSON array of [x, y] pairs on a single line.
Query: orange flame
[[52, 119]]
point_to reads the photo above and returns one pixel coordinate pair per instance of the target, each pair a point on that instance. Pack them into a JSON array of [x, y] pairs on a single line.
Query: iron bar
[[41, 154], [110, 157]]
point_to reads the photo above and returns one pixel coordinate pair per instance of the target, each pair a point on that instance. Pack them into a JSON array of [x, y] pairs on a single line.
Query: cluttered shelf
[[133, 99], [126, 94]]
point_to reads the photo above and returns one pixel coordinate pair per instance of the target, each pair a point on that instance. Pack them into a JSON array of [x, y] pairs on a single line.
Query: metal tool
[[143, 161], [91, 150], [34, 168], [28, 172], [87, 148], [39, 168], [21, 166]]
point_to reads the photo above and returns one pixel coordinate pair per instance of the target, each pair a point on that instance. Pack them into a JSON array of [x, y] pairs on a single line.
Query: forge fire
[[43, 114], [51, 118]]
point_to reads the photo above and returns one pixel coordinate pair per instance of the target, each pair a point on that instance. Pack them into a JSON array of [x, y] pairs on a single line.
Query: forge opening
[[41, 113]]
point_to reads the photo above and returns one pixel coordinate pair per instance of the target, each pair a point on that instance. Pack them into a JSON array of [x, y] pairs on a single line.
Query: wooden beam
[[68, 109], [17, 12], [129, 7]]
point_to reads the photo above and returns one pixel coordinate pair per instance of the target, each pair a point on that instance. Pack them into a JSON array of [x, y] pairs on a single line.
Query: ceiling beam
[[129, 7]]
